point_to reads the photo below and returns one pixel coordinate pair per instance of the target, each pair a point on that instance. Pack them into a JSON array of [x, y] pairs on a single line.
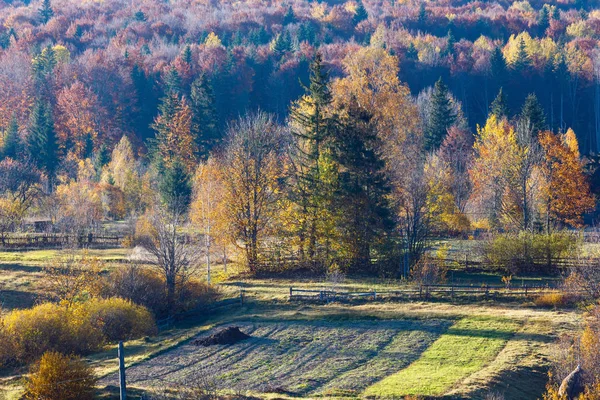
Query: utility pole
[[122, 388]]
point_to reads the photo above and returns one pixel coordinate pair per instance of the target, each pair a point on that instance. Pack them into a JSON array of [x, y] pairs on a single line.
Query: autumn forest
[[365, 138]]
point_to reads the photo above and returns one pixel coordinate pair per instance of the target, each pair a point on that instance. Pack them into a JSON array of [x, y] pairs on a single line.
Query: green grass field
[[372, 349]]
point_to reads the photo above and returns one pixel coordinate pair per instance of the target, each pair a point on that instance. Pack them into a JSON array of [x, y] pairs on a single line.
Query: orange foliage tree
[[567, 190]]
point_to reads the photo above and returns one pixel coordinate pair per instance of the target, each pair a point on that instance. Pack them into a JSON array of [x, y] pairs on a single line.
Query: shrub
[[60, 377], [50, 327], [529, 252], [146, 287], [554, 300], [119, 319], [80, 329], [140, 285]]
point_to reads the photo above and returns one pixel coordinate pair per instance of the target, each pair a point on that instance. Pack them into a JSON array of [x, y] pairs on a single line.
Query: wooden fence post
[[122, 388], [291, 290], [525, 290], [241, 297]]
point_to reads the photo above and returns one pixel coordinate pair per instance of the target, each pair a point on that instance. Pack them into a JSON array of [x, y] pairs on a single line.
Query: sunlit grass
[[465, 348]]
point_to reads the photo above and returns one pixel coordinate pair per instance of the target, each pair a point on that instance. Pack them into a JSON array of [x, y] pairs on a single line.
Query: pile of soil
[[229, 335]]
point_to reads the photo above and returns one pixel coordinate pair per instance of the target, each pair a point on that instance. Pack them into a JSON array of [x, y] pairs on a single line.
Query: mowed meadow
[[381, 349]]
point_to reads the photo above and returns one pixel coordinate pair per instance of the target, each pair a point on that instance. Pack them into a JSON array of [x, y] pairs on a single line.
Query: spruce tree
[[360, 14], [363, 215], [41, 140], [186, 56], [311, 129], [499, 106], [289, 17], [521, 61], [11, 145], [441, 118], [204, 123], [422, 18], [533, 113], [46, 12], [543, 20], [498, 66], [175, 187], [451, 41]]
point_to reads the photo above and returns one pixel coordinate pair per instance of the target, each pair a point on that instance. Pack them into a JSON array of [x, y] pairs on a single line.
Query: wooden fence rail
[[421, 291], [42, 241]]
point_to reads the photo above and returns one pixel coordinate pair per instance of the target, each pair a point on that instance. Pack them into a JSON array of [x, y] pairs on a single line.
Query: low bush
[[555, 300], [80, 329], [119, 319], [57, 376], [146, 287], [528, 252], [142, 286]]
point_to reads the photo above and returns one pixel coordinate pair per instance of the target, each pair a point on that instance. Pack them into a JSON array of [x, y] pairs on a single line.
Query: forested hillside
[[112, 59]]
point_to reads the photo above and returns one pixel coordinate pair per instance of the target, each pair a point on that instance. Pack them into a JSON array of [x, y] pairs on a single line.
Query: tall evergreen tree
[[41, 140], [441, 118], [499, 106], [360, 14], [42, 67], [451, 42], [175, 187], [289, 17], [145, 102], [533, 113], [11, 144], [311, 127], [422, 18], [204, 120], [46, 12], [498, 66], [363, 215], [543, 20], [521, 61]]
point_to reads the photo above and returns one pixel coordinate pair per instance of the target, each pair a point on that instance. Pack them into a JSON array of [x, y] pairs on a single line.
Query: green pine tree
[[499, 106], [521, 61], [451, 41], [46, 12], [41, 140], [289, 17], [422, 18], [543, 20], [363, 214], [361, 13], [533, 113], [204, 123], [175, 187], [498, 66], [187, 54], [172, 82], [311, 130], [441, 118], [11, 145]]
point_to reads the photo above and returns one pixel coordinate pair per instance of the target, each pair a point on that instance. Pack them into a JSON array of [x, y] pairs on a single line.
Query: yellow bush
[[59, 377], [553, 299], [80, 329], [50, 327], [120, 319]]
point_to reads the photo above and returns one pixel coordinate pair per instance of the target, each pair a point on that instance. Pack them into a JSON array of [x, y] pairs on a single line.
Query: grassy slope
[[464, 349]]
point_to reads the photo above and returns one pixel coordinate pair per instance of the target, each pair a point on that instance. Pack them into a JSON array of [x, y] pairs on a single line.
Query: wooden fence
[[421, 292], [45, 241]]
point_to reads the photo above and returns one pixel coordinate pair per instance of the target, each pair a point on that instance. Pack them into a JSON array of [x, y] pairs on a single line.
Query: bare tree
[[176, 259]]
